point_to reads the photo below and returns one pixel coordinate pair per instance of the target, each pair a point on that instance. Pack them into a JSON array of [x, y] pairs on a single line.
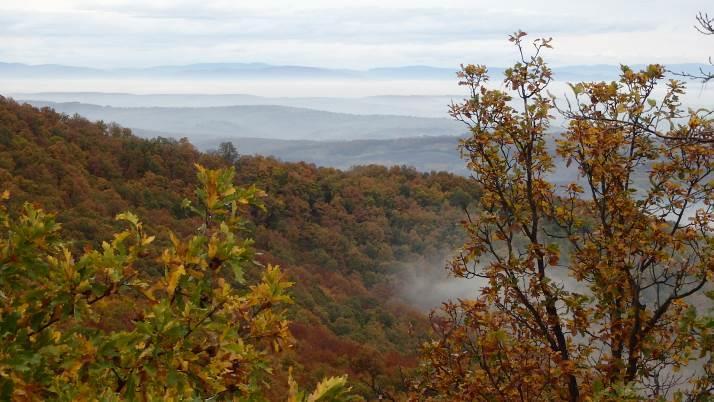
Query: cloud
[[327, 33]]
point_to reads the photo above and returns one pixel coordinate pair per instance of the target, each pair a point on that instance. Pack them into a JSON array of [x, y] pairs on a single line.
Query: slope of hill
[[348, 238]]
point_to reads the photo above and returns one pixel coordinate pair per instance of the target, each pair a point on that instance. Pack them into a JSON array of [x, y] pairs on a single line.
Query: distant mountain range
[[325, 138], [260, 121], [415, 105], [226, 70], [268, 71], [338, 140]]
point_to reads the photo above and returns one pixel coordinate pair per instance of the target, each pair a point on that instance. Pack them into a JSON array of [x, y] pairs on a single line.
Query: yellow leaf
[[149, 293], [212, 247], [328, 387], [173, 279], [229, 191], [147, 240]]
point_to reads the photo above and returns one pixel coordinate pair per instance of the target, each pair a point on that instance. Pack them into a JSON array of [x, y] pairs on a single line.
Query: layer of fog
[[424, 98], [434, 106], [427, 283], [268, 88]]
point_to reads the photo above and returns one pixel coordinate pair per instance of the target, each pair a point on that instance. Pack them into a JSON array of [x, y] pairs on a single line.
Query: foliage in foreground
[[588, 286], [196, 327]]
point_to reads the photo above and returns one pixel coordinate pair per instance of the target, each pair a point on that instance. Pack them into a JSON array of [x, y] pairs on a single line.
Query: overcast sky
[[351, 34]]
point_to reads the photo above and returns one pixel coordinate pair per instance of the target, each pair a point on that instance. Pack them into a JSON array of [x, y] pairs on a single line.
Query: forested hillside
[[344, 237]]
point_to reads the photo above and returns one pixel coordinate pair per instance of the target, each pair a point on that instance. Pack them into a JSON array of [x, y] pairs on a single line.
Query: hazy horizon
[[277, 81], [134, 33], [324, 48]]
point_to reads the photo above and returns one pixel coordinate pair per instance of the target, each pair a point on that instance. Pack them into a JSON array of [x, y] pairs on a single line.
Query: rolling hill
[[260, 121]]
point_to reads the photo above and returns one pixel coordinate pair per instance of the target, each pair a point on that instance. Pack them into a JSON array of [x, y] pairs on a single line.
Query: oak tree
[[587, 288]]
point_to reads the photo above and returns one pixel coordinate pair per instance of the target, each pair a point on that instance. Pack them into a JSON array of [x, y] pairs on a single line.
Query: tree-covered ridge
[[342, 236]]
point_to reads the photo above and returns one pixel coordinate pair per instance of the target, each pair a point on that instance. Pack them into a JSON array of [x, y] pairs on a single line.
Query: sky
[[346, 34]]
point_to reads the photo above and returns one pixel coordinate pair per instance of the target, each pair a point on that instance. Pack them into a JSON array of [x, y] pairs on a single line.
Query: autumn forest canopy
[[144, 269]]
